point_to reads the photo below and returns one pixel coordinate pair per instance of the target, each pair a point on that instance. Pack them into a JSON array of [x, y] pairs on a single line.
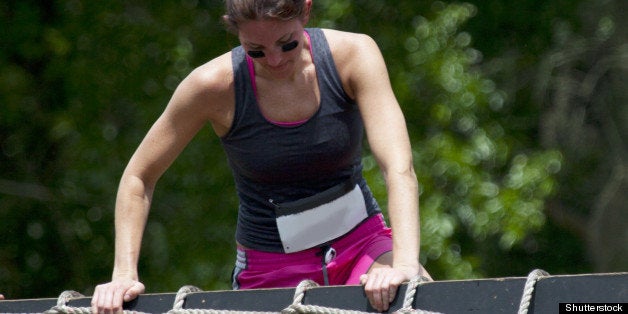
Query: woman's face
[[273, 44]]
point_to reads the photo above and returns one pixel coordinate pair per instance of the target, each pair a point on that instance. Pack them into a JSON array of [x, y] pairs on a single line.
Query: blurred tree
[[81, 84], [565, 70], [581, 81]]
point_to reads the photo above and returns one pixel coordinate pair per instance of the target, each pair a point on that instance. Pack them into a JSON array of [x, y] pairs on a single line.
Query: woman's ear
[[229, 25], [307, 11]]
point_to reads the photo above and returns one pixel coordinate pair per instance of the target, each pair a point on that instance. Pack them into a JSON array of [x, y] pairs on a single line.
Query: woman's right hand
[[109, 297]]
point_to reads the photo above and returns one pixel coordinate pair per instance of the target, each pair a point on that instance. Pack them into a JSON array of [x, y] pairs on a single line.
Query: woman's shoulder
[[351, 51], [347, 41], [208, 91], [348, 47], [215, 75]]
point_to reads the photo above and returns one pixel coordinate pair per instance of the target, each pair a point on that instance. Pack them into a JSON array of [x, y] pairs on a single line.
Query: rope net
[[297, 306]]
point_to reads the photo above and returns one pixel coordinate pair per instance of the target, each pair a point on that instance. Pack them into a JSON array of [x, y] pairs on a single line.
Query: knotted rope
[[409, 297], [182, 294], [297, 306], [63, 299], [528, 289]]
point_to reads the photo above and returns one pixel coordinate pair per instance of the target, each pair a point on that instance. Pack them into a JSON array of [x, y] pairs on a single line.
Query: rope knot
[[299, 294], [182, 294], [528, 289], [408, 300], [62, 302]]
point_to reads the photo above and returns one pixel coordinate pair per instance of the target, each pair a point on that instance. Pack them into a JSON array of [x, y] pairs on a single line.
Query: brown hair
[[238, 11]]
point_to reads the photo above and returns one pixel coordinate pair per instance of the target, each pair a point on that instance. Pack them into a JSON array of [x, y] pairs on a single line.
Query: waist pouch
[[318, 219]]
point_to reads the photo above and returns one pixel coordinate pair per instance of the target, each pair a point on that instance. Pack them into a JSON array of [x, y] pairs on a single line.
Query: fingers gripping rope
[[298, 307], [528, 289], [63, 308]]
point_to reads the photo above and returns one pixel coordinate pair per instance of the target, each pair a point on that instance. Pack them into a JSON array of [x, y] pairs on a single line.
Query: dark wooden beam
[[500, 295]]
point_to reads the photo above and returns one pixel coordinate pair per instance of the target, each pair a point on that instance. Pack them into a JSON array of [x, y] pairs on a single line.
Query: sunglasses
[[284, 48]]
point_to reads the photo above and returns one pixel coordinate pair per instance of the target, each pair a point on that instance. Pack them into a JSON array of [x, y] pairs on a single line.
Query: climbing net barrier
[[297, 305]]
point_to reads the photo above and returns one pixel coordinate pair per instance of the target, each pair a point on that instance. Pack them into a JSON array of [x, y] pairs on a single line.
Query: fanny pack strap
[[327, 254]]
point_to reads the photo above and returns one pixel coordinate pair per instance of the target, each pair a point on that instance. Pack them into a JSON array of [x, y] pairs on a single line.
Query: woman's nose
[[274, 57]]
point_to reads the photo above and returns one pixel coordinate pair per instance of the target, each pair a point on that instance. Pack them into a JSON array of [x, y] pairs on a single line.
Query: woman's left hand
[[381, 284]]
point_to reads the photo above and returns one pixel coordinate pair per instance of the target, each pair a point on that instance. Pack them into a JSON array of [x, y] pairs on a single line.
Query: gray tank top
[[286, 163]]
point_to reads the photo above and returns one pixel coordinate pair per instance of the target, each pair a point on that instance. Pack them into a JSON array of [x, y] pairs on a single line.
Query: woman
[[290, 106]]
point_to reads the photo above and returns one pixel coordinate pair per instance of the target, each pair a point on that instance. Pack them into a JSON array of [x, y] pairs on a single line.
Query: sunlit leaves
[[472, 181]]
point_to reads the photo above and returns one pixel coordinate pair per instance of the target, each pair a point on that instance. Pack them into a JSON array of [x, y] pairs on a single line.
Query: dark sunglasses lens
[[290, 46], [285, 48], [255, 54]]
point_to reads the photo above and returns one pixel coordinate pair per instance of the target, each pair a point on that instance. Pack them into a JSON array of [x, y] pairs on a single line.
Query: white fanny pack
[[318, 219]]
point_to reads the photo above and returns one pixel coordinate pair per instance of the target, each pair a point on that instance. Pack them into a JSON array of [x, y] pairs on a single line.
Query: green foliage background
[[516, 110]]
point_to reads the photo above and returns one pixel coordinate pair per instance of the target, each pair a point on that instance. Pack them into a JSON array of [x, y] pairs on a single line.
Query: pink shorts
[[355, 252]]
